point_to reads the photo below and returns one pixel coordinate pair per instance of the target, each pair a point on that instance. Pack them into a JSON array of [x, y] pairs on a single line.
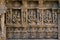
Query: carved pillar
[[59, 3], [59, 25], [24, 13], [2, 11], [3, 27]]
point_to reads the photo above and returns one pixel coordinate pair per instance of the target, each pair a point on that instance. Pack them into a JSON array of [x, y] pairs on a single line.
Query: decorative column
[[59, 21], [59, 3], [24, 13], [2, 11], [41, 8], [59, 25], [3, 27]]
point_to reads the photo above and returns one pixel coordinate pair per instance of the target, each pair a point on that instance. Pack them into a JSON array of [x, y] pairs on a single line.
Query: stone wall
[[31, 20]]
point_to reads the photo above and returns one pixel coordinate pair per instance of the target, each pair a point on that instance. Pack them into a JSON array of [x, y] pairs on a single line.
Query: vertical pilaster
[[59, 25], [24, 13], [2, 8], [3, 27], [59, 21], [41, 8], [59, 3]]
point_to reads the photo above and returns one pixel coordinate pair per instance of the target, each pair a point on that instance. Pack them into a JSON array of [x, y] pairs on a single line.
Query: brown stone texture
[[30, 20]]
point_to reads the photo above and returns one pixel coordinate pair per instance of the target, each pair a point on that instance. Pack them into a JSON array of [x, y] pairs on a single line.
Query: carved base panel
[[23, 26]]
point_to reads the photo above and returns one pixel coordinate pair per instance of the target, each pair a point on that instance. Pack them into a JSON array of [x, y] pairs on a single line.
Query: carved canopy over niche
[[50, 0], [51, 4]]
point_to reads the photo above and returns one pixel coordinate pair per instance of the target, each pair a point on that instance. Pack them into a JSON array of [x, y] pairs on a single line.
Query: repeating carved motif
[[47, 16], [16, 17], [31, 23], [32, 15], [33, 19], [8, 18]]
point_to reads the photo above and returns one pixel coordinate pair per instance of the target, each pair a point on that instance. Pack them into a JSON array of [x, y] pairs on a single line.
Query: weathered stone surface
[[30, 19]]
